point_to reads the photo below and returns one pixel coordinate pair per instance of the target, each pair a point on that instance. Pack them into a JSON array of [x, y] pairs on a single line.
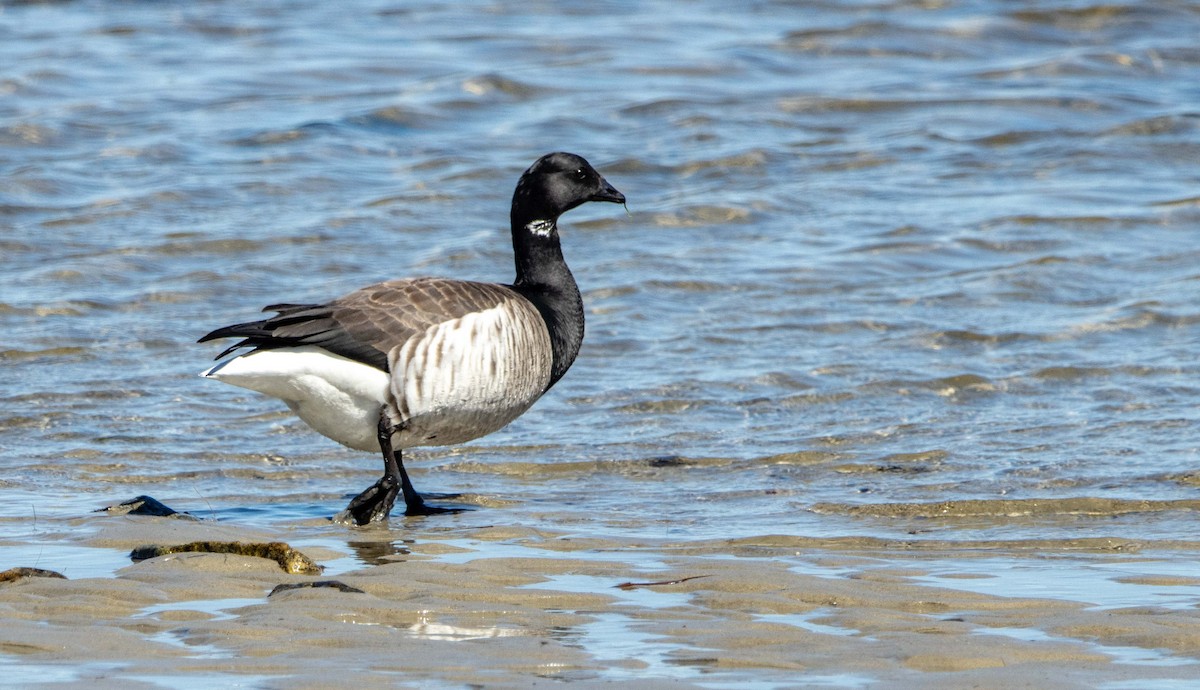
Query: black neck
[[544, 279]]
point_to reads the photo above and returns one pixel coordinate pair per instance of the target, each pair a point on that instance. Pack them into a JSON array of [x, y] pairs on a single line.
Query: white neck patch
[[541, 228]]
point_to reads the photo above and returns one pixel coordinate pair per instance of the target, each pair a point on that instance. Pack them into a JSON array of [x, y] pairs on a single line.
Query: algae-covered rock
[[13, 574], [291, 560]]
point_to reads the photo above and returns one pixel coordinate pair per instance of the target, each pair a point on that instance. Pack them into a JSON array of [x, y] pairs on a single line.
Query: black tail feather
[[261, 333], [296, 325]]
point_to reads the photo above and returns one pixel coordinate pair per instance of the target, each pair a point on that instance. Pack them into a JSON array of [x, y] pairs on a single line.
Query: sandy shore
[[501, 607]]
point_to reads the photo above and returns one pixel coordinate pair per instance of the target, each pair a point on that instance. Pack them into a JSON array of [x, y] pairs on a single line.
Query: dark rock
[[145, 505], [333, 584]]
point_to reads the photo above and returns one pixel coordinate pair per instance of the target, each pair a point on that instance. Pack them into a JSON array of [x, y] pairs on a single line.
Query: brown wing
[[366, 324]]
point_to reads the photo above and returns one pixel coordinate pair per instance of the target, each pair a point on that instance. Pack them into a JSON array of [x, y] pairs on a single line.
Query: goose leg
[[375, 504]]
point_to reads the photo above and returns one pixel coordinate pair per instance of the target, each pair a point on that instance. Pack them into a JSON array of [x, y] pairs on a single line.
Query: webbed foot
[[372, 505]]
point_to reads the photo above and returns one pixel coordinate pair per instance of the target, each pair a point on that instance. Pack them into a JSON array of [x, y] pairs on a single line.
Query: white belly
[[338, 397]]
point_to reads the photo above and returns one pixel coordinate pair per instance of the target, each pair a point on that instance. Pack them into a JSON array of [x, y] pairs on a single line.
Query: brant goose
[[428, 361]]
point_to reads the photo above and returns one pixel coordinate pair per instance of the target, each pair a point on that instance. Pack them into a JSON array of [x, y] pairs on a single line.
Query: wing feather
[[366, 324]]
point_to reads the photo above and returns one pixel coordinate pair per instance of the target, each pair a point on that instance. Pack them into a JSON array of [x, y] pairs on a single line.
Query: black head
[[557, 183]]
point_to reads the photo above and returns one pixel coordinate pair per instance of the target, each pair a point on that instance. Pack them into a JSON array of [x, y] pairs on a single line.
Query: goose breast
[[469, 376]]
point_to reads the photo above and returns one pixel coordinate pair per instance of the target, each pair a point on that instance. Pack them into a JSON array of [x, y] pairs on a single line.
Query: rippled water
[[879, 255]]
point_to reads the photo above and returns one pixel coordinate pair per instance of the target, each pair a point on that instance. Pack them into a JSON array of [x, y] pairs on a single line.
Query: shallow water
[[879, 255]]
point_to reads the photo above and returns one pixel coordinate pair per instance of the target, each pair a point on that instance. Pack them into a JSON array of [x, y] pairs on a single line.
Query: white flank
[[470, 376], [455, 382], [336, 396]]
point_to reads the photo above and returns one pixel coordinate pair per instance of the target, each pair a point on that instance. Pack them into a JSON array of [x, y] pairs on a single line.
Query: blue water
[[876, 252], [862, 230]]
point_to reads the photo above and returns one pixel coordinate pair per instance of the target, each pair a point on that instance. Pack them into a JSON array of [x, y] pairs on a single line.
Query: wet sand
[[503, 606]]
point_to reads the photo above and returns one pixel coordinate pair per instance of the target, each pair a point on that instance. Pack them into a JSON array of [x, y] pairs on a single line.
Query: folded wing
[[367, 324]]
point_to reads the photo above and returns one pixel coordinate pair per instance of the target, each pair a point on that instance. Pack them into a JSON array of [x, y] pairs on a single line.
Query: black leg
[[394, 465], [374, 504]]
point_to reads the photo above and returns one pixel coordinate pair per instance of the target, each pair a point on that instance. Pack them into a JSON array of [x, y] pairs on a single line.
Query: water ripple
[[884, 253]]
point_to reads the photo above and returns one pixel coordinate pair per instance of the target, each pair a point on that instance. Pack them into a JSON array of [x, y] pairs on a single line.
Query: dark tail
[[261, 333]]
